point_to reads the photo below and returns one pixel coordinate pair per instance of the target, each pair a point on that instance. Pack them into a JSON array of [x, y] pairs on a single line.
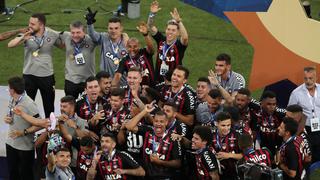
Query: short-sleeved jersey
[[184, 99], [234, 82], [119, 160], [28, 106], [292, 157], [38, 54], [84, 161], [267, 129], [171, 55], [228, 144], [76, 72], [206, 162], [165, 147], [143, 60], [261, 156], [114, 120]]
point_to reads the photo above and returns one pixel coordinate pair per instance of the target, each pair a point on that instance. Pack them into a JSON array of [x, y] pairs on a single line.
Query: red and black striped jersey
[[119, 160], [261, 156], [184, 99], [206, 162], [228, 144], [171, 55], [143, 60], [292, 157], [164, 147], [84, 162]]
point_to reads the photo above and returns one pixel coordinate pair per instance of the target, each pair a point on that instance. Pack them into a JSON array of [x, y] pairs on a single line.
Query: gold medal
[[35, 53], [116, 50], [116, 61]]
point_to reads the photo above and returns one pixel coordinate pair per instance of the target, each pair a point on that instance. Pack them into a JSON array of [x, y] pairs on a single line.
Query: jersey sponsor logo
[[149, 152], [112, 176], [192, 101], [83, 166], [111, 56], [208, 160], [259, 159]]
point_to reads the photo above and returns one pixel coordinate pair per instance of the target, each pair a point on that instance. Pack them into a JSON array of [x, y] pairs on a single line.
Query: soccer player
[[290, 159], [171, 48], [162, 155], [113, 164], [225, 143]]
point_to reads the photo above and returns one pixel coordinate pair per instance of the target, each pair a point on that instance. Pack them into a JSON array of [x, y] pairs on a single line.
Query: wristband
[[151, 14], [25, 132]]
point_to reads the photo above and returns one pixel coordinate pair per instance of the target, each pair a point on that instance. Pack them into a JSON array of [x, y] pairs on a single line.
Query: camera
[[250, 171]]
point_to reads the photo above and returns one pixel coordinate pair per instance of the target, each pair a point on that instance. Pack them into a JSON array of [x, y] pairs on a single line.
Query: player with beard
[[181, 96], [295, 112], [247, 109], [38, 68], [204, 160], [160, 153], [225, 144], [207, 111], [171, 48], [269, 119], [111, 163], [290, 159], [116, 113], [104, 80], [113, 43], [137, 57], [80, 58]]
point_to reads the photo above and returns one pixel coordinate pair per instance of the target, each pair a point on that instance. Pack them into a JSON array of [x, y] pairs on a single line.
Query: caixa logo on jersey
[[112, 176], [149, 152], [111, 56]]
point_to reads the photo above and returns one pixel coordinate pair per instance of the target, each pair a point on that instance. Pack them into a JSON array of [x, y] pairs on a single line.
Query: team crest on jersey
[[88, 162], [109, 168], [123, 52]]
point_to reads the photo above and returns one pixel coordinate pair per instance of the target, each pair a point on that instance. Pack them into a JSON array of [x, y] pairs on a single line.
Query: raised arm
[[154, 8], [9, 34], [32, 120], [143, 29], [183, 32], [215, 83], [132, 124], [90, 17], [20, 39]]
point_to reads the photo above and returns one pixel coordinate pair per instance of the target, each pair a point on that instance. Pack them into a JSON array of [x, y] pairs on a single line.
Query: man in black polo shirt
[[170, 48], [290, 160]]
